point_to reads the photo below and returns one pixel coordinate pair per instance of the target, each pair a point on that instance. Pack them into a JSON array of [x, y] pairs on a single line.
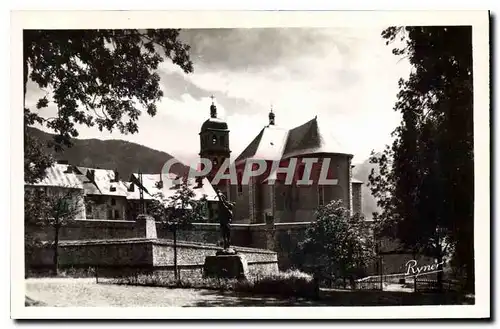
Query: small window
[[214, 140], [113, 201], [88, 210], [215, 162], [117, 214], [110, 214]]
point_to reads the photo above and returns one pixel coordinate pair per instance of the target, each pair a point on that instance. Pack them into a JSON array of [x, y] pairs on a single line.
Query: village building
[[61, 183], [162, 187], [105, 193]]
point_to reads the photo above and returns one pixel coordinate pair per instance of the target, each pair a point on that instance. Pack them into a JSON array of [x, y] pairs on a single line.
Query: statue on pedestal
[[226, 263], [225, 219]]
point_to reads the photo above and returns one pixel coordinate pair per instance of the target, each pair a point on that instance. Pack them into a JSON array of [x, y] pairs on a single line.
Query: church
[[258, 199]]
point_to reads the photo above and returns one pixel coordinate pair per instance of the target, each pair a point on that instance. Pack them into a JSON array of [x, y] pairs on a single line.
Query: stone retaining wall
[[126, 256], [282, 238]]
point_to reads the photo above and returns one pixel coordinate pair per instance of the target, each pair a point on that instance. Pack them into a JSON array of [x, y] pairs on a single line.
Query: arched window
[[214, 139]]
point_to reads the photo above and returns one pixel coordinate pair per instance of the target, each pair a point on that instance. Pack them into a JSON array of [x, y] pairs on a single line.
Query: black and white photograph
[[260, 161]]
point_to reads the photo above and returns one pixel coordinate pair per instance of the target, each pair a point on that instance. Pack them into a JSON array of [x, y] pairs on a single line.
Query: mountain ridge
[[113, 154]]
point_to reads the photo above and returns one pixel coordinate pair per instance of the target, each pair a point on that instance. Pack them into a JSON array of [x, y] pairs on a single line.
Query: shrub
[[289, 283]]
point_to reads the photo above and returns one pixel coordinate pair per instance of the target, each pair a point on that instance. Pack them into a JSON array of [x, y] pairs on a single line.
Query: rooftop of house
[[101, 182], [95, 181], [152, 187], [60, 175]]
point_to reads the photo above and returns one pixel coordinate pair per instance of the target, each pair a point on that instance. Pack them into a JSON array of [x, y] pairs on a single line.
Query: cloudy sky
[[347, 77]]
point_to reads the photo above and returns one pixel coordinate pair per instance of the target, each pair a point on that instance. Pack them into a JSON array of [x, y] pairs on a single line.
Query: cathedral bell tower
[[214, 144]]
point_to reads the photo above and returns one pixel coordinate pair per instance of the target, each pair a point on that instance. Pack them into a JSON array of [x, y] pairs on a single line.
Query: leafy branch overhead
[[102, 78]]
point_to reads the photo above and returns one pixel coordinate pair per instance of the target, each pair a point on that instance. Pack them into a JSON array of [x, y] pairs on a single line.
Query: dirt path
[[85, 292]]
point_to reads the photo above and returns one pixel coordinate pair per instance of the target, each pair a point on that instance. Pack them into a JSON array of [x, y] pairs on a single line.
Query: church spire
[[271, 117], [213, 108]]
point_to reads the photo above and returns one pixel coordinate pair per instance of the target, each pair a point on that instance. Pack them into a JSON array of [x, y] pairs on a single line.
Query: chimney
[[112, 188], [69, 169], [90, 175], [117, 175]]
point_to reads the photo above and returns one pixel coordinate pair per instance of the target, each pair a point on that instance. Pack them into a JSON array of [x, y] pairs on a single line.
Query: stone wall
[[88, 230], [279, 237], [125, 256]]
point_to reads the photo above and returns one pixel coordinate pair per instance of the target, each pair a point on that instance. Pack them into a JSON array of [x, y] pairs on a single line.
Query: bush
[[289, 283]]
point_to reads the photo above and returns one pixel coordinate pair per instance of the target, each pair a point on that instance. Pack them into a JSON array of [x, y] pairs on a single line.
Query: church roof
[[267, 145], [214, 123], [274, 143], [310, 138]]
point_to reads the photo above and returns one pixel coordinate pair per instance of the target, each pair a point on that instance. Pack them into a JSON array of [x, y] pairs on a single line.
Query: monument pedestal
[[226, 264]]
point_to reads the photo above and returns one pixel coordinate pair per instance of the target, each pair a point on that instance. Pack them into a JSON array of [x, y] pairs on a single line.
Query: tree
[[425, 187], [103, 78], [340, 244], [178, 212], [52, 207]]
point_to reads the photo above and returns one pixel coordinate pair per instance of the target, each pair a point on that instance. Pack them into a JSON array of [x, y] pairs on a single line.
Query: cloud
[[239, 49], [347, 77]]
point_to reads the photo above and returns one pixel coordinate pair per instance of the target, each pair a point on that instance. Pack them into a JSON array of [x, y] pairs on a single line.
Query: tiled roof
[[103, 183], [150, 183], [274, 143], [58, 175]]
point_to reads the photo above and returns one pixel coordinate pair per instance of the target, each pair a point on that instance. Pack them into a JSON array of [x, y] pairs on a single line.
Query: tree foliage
[[181, 209], [425, 187], [339, 244], [103, 78], [53, 208]]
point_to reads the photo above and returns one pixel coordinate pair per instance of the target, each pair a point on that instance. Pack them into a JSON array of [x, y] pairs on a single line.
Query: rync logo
[[412, 268]]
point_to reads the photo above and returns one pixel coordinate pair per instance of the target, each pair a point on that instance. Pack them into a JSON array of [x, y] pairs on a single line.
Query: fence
[[415, 283]]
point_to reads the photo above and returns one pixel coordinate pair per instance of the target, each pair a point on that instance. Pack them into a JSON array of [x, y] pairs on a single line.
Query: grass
[[287, 284]]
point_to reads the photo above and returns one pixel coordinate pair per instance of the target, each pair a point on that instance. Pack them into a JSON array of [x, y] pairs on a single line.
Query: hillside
[[361, 172], [124, 156]]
